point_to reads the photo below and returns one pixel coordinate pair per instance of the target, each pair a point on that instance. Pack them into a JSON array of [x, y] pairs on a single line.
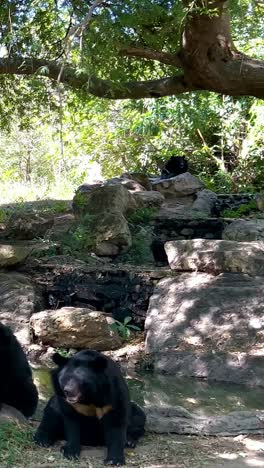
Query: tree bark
[[93, 85], [211, 61]]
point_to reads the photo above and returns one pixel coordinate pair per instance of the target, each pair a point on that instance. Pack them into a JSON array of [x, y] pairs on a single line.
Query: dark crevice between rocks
[[184, 229], [119, 293]]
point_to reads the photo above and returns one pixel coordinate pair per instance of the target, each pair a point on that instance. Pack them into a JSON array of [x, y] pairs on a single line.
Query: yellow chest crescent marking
[[91, 410]]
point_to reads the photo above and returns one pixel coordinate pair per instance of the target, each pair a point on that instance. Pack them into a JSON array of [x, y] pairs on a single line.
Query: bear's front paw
[[131, 444], [115, 461], [70, 452], [42, 440]]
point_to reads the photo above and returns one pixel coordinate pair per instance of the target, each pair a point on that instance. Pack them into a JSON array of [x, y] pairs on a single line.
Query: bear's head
[[81, 378]]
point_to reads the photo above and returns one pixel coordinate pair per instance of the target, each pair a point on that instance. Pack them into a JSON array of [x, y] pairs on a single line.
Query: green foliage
[[45, 249], [77, 241], [14, 440], [220, 182], [3, 215], [81, 239], [58, 207], [38, 29], [64, 352], [142, 216], [242, 210], [140, 252], [221, 137], [23, 208], [80, 201], [124, 329]]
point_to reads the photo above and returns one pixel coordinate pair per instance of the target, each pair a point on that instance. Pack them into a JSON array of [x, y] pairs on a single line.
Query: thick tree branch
[[169, 86], [151, 54], [96, 86], [208, 59]]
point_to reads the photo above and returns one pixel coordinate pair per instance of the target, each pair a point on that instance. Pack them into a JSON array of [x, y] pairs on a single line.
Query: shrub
[[142, 216], [242, 210], [124, 329]]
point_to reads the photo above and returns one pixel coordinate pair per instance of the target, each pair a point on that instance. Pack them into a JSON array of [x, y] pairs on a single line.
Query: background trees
[[52, 129]]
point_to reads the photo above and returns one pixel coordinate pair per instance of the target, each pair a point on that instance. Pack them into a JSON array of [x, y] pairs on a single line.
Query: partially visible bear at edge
[[176, 165], [17, 388], [91, 406]]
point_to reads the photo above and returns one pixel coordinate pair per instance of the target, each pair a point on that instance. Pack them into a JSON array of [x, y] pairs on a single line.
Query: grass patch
[[14, 440], [27, 209]]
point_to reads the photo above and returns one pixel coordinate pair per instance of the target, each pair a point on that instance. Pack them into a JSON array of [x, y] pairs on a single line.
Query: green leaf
[[127, 320], [134, 327]]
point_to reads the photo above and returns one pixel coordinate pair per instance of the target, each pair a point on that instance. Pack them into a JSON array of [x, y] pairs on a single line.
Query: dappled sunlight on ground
[[252, 444], [167, 451], [246, 452]]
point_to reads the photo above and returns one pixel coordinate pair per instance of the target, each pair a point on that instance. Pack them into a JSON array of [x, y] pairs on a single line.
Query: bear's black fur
[[16, 386], [91, 406], [176, 165]]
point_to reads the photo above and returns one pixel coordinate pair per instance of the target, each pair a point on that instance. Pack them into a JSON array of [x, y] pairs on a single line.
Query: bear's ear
[[99, 363], [60, 360], [5, 335]]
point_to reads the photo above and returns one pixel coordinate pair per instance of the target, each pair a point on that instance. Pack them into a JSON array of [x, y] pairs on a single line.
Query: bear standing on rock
[[17, 388], [91, 406]]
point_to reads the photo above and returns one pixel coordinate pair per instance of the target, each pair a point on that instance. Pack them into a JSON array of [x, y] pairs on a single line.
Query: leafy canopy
[[37, 28]]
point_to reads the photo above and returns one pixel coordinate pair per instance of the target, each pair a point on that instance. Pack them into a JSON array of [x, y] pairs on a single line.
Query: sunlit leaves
[[248, 26], [39, 27]]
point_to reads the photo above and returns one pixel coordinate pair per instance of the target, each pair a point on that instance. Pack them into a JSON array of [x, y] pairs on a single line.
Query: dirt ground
[[166, 451]]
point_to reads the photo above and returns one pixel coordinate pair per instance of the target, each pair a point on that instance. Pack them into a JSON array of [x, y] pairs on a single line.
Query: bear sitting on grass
[[91, 406], [16, 387]]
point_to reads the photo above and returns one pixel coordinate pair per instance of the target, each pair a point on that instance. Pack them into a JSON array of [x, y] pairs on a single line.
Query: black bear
[[17, 388], [176, 165], [91, 406]]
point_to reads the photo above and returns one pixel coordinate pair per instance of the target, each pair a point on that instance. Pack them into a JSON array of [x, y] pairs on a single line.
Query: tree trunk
[[210, 59], [28, 167]]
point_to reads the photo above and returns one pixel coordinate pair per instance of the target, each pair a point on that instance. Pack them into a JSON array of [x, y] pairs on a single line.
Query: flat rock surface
[[216, 256], [182, 185], [198, 311], [175, 207], [176, 419]]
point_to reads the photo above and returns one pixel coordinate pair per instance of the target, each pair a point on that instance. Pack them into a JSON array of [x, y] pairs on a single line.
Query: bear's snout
[[71, 391]]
